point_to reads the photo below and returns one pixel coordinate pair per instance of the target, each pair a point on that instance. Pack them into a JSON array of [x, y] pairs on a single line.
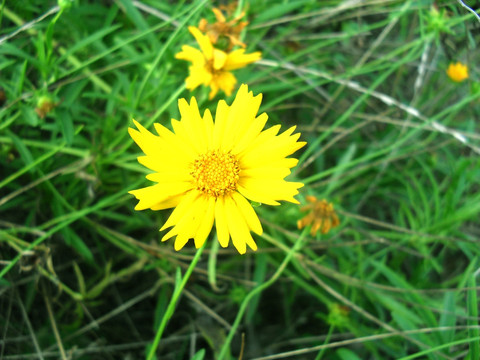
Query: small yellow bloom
[[457, 72], [211, 67], [209, 170], [322, 216], [223, 29]]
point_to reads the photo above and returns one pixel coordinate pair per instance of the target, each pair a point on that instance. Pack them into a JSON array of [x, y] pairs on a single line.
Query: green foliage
[[392, 143]]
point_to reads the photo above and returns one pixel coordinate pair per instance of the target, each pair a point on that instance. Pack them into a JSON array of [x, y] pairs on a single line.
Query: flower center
[[216, 173], [209, 68]]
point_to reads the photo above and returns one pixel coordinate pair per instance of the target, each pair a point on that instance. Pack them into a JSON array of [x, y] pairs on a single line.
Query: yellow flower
[[457, 72], [211, 66], [207, 170], [322, 216], [222, 28]]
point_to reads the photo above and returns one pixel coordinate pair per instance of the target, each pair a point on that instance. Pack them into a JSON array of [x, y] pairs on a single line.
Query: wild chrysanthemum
[[207, 170], [223, 29], [211, 67], [457, 72], [322, 216]]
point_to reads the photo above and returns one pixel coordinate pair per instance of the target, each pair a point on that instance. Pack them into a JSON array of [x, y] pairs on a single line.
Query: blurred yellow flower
[[223, 29], [322, 216], [211, 67], [457, 72], [207, 170]]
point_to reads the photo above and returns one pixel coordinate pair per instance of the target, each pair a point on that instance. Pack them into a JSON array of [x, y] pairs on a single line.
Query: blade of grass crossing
[[179, 285], [32, 165], [472, 307], [259, 277], [440, 347], [212, 264]]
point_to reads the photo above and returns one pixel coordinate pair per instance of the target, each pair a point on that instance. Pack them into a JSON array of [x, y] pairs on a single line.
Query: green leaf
[[80, 279], [279, 10], [346, 354], [472, 305], [76, 242], [259, 276], [199, 355], [65, 123], [29, 115]]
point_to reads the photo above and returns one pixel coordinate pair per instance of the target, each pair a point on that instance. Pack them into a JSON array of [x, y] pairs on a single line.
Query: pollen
[[215, 173]]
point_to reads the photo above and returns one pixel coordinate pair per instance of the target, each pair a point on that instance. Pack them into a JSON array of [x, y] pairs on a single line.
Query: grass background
[[392, 142]]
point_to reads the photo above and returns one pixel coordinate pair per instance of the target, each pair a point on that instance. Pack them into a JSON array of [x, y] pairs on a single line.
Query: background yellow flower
[[223, 29], [321, 216], [211, 66], [457, 72]]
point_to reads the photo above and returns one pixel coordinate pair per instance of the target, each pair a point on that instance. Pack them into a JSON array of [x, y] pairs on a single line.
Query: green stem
[[472, 306], [258, 290], [171, 306], [327, 340], [212, 264]]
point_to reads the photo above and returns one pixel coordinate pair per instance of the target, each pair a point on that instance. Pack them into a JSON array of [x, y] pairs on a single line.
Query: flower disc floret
[[215, 173]]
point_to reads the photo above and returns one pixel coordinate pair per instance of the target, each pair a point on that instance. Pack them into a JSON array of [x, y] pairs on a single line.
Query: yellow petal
[[148, 142], [209, 126], [234, 120], [198, 76], [238, 59], [174, 175], [191, 54], [229, 119], [182, 209], [219, 16], [219, 58], [206, 224], [258, 141], [213, 90], [237, 227], [317, 224], [221, 116], [221, 222], [285, 162], [168, 203], [175, 144], [180, 241], [248, 213], [272, 148], [188, 224], [266, 172], [193, 123], [186, 135], [250, 133], [255, 195], [203, 41], [226, 81], [155, 194], [266, 191], [172, 170], [199, 211]]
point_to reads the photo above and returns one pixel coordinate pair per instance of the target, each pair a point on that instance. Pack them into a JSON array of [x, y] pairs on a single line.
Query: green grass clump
[[393, 143]]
